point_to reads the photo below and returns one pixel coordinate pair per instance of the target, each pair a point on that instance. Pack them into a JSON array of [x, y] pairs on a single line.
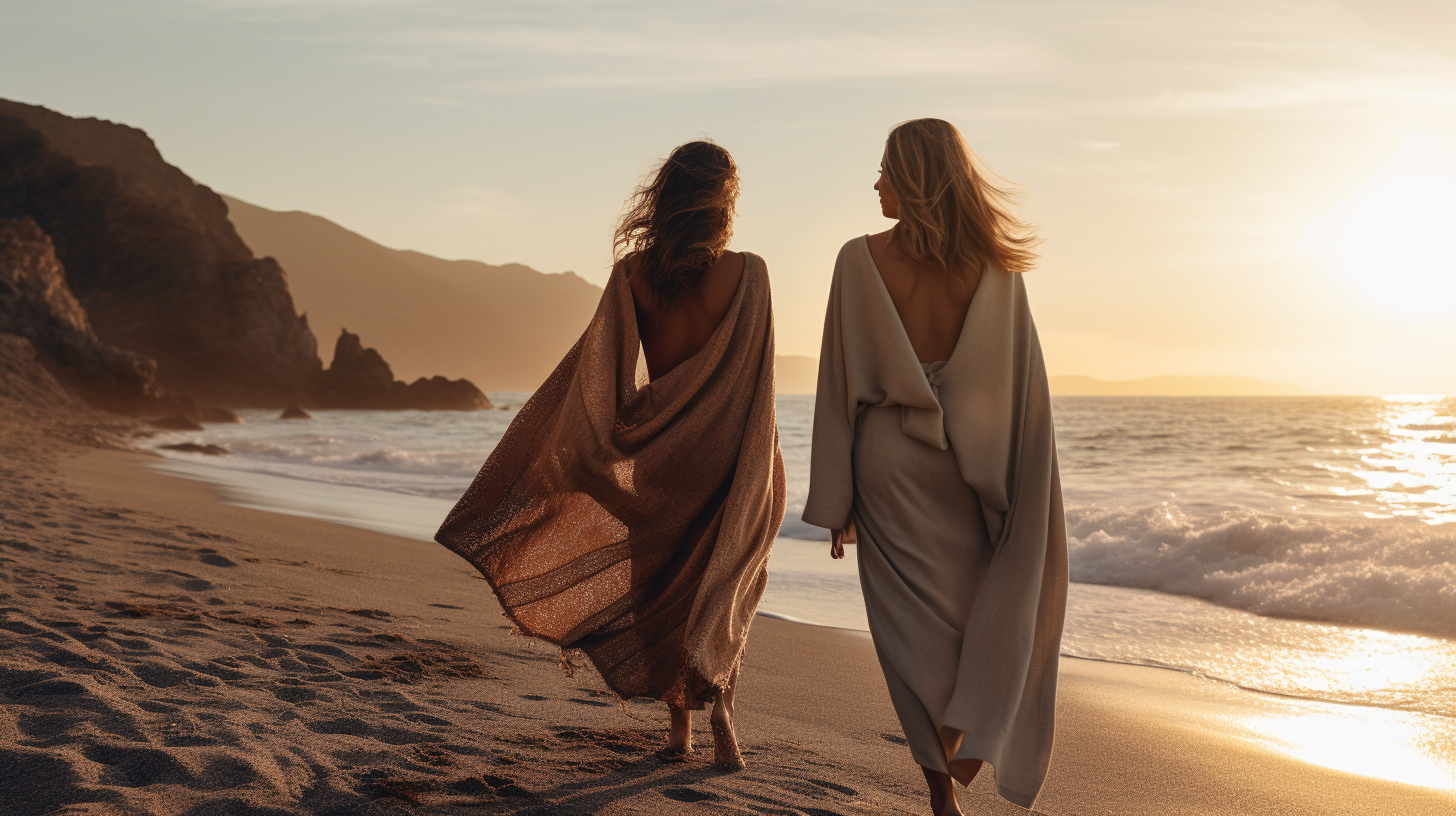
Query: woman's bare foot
[[726, 755], [942, 793], [680, 734], [725, 743]]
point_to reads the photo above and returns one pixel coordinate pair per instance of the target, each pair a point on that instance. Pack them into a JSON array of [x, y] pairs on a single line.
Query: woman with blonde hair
[[933, 447], [629, 514]]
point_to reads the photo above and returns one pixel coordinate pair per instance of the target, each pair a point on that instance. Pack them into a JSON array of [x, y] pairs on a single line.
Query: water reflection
[[1300, 659], [1413, 472], [1400, 746]]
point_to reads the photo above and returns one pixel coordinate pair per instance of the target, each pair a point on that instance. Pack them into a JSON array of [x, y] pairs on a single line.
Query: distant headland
[[1173, 385], [123, 279]]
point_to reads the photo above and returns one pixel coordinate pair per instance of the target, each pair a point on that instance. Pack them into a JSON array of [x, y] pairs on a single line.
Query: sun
[[1398, 244]]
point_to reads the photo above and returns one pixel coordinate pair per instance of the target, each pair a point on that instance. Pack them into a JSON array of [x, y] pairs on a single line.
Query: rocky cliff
[[160, 293], [36, 303], [152, 258], [360, 378], [25, 383]]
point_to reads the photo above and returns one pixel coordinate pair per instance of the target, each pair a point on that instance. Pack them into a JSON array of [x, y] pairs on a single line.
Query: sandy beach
[[165, 652]]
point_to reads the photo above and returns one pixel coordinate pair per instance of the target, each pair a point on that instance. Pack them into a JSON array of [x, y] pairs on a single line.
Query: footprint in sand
[[689, 795], [597, 703], [213, 559], [190, 583], [353, 727], [138, 767], [834, 786], [486, 783], [159, 675]]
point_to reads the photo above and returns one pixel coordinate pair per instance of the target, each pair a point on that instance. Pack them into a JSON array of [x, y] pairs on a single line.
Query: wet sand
[[164, 652]]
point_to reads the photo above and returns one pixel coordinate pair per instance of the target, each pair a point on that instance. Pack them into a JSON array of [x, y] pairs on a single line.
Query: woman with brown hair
[[629, 515], [933, 447]]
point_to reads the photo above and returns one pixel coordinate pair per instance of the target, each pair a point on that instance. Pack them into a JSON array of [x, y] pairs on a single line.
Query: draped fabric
[[950, 472], [633, 520]]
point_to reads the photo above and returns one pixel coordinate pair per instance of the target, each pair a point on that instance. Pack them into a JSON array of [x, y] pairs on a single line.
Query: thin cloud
[[603, 58], [1307, 93]]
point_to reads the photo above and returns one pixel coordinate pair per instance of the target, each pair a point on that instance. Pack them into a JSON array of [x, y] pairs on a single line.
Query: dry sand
[[162, 652]]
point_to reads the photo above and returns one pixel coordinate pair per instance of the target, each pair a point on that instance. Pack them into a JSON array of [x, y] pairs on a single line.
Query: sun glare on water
[[1401, 746], [1414, 749], [1414, 471]]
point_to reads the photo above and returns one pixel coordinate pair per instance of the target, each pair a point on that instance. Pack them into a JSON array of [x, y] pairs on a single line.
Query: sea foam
[[1393, 574]]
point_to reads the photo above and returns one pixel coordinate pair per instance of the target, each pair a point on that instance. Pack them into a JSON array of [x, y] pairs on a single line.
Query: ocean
[[1301, 546]]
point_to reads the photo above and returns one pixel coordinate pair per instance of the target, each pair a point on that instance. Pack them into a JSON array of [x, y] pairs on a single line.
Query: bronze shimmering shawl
[[633, 520]]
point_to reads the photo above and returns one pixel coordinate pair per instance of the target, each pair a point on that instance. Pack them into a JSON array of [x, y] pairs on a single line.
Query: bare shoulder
[[637, 284], [720, 283]]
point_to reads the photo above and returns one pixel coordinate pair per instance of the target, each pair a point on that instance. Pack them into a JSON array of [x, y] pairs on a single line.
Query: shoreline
[[813, 708], [414, 517], [1176, 681]]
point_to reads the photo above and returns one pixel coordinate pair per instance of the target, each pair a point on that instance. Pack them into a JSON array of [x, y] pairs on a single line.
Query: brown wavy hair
[[679, 224], [951, 217]]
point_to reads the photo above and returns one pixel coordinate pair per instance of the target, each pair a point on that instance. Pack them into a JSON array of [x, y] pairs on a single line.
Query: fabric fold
[[633, 520], [962, 548]]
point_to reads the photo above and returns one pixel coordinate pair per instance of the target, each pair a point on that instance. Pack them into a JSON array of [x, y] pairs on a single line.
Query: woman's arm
[[831, 480]]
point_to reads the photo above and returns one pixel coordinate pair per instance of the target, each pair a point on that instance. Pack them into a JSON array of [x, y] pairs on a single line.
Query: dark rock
[[23, 379], [294, 412], [359, 377], [440, 394], [214, 413], [138, 295], [36, 303], [154, 261], [193, 447], [175, 423]]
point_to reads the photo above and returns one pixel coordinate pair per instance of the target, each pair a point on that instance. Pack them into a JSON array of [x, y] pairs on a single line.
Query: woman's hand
[[838, 538]]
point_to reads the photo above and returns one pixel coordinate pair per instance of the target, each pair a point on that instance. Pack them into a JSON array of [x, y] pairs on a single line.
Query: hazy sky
[[1254, 188]]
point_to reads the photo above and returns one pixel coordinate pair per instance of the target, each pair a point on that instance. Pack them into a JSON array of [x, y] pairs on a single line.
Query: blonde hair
[[951, 217]]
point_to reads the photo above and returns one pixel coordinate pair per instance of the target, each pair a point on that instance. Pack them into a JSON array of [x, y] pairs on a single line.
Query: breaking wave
[[1396, 574]]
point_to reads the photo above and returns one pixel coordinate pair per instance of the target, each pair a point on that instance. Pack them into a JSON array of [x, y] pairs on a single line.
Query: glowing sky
[[1255, 188]]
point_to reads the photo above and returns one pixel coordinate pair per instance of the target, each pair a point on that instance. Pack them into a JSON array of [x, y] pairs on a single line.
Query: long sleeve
[[963, 549], [831, 476]]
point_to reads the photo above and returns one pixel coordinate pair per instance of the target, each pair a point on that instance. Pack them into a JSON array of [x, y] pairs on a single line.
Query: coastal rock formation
[[213, 413], [36, 303], [138, 295], [294, 412], [24, 380], [444, 394], [152, 258], [175, 423], [360, 378], [194, 447]]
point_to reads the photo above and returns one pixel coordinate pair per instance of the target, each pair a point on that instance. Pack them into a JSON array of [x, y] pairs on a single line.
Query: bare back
[[672, 335], [932, 305]]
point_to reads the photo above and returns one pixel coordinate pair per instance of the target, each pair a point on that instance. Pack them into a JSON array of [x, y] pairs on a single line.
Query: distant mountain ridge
[[503, 327], [506, 327], [1173, 385]]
